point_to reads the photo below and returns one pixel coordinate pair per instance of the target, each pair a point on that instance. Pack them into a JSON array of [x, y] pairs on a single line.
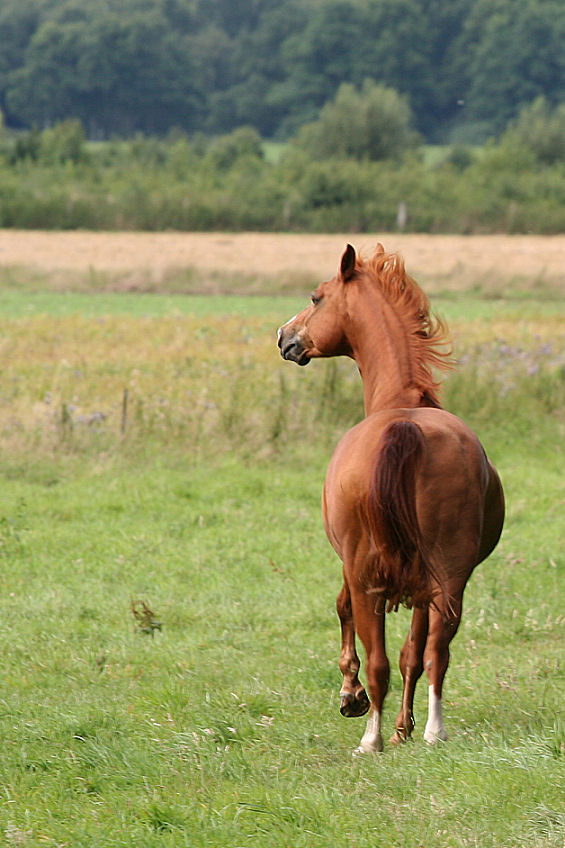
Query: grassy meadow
[[169, 672]]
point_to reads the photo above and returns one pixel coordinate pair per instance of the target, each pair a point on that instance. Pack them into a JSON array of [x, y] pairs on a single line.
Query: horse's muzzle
[[292, 348]]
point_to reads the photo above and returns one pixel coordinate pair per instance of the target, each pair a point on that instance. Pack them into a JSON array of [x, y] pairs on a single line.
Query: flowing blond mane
[[429, 336]]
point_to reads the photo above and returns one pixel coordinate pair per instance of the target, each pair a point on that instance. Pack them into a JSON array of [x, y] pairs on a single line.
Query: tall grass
[[75, 384], [216, 384]]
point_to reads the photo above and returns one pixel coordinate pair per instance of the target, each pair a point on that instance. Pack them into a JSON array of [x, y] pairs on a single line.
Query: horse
[[411, 503]]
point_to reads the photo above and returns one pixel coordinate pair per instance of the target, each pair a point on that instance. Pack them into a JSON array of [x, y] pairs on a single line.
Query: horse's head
[[319, 330]]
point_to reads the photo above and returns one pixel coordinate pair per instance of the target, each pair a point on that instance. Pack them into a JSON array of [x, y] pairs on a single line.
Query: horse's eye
[[315, 298]]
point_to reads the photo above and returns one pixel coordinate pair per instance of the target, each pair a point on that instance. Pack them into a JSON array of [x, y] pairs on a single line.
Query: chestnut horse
[[411, 503]]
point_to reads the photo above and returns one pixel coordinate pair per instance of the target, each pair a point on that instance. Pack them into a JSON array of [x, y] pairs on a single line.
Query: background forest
[[122, 66], [427, 115]]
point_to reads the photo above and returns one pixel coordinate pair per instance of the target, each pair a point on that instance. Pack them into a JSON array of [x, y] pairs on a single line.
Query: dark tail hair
[[401, 567]]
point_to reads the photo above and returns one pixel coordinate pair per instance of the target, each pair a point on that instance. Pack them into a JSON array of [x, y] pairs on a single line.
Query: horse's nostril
[[286, 349], [290, 348]]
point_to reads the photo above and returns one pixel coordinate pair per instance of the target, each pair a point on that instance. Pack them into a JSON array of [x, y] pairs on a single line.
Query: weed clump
[[145, 619]]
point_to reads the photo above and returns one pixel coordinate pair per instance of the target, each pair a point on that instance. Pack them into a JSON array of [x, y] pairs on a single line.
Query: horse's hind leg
[[354, 700], [370, 624], [443, 624], [411, 667]]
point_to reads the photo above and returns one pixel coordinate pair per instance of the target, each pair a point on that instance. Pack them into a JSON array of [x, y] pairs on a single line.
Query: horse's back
[[458, 496]]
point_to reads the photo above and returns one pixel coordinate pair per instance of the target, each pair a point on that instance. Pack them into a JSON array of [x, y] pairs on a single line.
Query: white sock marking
[[372, 738], [435, 730]]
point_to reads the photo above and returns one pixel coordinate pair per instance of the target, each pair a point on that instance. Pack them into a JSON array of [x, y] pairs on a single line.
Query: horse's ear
[[379, 249], [347, 268]]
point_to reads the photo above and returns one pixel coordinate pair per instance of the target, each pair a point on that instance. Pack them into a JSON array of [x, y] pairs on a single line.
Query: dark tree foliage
[[509, 53], [541, 130], [466, 67], [372, 123]]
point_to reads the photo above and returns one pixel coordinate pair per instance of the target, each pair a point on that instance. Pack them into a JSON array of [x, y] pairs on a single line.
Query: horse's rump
[[401, 569]]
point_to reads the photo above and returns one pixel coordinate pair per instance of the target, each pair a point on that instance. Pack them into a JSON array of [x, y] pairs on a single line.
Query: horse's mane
[[428, 334]]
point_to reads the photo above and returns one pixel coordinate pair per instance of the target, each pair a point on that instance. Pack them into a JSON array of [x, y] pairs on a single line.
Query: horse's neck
[[382, 351]]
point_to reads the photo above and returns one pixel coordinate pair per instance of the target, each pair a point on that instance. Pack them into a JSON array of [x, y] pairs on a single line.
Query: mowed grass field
[[169, 669]]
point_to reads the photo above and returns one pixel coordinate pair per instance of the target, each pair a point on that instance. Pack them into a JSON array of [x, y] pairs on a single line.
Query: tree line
[[464, 67]]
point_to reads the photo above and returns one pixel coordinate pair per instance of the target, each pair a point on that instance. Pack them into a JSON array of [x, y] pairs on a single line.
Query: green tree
[[18, 22], [372, 123], [400, 43], [541, 129], [62, 143], [254, 68], [126, 66], [115, 73], [225, 151], [317, 59], [436, 97], [511, 52], [41, 91]]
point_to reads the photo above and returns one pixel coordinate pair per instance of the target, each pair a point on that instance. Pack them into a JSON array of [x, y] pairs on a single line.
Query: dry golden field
[[136, 260]]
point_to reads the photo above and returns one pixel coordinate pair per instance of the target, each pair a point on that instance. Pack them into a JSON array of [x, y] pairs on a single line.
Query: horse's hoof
[[358, 752], [353, 706], [400, 737], [362, 750], [432, 737]]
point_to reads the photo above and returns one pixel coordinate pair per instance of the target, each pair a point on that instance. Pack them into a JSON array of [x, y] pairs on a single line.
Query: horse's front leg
[[370, 623], [411, 667], [354, 700]]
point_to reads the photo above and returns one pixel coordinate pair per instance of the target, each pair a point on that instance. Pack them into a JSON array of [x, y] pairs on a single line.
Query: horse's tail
[[391, 512]]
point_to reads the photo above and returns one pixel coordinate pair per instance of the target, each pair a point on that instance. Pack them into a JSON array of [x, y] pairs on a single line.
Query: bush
[[26, 147], [63, 143], [540, 130], [373, 123], [49, 180], [226, 150]]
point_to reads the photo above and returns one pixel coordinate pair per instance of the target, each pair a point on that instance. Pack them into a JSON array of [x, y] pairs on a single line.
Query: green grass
[[223, 727], [139, 305], [455, 308]]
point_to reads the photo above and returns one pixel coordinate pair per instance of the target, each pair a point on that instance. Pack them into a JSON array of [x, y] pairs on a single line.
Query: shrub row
[[147, 184]]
